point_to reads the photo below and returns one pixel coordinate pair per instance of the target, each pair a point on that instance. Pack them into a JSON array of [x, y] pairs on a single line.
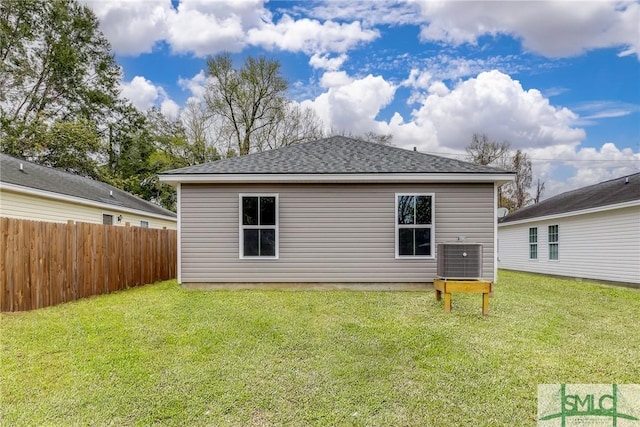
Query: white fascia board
[[78, 200], [335, 178], [495, 232], [573, 213], [179, 234]]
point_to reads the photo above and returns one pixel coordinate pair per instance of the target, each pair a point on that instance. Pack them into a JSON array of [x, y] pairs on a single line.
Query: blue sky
[[559, 80]]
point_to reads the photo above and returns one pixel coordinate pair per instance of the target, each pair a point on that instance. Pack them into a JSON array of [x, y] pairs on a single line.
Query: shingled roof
[[613, 192], [336, 155], [43, 178]]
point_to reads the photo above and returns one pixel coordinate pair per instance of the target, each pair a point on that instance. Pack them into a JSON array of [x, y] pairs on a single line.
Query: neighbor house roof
[[337, 155], [45, 181], [614, 192]]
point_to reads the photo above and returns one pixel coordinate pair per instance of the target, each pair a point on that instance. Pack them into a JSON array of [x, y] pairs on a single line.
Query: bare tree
[[482, 151], [539, 191], [248, 111], [246, 100], [200, 133], [299, 124], [521, 165], [379, 138]]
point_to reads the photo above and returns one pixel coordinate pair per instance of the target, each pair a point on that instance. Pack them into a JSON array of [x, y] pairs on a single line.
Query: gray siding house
[[592, 232], [336, 210]]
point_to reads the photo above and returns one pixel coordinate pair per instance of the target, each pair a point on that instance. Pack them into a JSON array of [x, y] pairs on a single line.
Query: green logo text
[[586, 401]]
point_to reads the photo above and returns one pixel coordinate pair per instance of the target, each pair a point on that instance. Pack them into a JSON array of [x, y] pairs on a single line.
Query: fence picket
[[45, 264], [7, 259]]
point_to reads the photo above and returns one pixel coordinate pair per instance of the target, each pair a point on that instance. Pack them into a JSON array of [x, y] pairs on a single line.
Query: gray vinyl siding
[[602, 245], [328, 232]]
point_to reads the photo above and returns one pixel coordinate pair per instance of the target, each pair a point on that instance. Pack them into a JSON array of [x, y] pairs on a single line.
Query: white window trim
[[557, 243], [241, 226], [536, 243], [432, 226], [146, 221]]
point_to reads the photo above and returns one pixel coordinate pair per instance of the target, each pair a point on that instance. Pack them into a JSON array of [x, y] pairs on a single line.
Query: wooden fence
[[44, 264]]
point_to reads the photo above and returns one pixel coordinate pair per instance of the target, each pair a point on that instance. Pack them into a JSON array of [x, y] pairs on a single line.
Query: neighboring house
[[333, 210], [592, 232], [39, 193]]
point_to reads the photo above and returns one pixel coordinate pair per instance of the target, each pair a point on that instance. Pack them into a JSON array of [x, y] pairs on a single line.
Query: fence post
[[7, 265], [72, 262]]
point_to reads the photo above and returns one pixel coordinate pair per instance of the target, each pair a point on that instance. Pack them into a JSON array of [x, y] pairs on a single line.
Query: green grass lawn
[[163, 355]]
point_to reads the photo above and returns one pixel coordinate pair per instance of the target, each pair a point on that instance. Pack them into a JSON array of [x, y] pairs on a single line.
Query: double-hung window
[[553, 242], [533, 243], [258, 226], [414, 226]]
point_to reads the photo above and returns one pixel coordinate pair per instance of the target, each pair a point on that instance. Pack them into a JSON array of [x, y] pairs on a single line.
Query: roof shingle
[[44, 178], [602, 194], [335, 155]]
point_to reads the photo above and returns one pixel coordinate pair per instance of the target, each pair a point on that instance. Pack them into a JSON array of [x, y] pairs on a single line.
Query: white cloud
[[143, 95], [594, 110], [423, 83], [418, 79], [552, 28], [491, 103], [352, 104], [564, 168], [397, 12], [170, 109], [494, 104], [132, 26], [309, 35], [439, 88], [208, 27], [327, 63], [141, 92], [335, 79], [445, 67], [553, 91], [196, 85]]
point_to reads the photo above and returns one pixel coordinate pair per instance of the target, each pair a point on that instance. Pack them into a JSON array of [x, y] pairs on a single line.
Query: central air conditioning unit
[[460, 261]]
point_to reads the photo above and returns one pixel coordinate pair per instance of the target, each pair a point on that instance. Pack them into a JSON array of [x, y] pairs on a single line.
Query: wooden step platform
[[448, 287]]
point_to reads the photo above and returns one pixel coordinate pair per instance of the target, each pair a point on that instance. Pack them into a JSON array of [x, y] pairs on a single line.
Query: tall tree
[[200, 133], [249, 109], [518, 190], [129, 145], [539, 191], [483, 151], [248, 99], [142, 145], [172, 150], [70, 146], [56, 66]]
